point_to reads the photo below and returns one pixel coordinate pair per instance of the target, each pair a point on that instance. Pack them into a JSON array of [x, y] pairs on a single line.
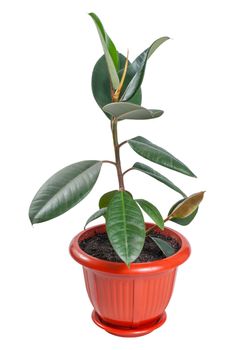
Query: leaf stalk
[[109, 161], [122, 143], [126, 171]]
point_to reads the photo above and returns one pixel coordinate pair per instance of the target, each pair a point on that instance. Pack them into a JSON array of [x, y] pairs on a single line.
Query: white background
[[49, 119]]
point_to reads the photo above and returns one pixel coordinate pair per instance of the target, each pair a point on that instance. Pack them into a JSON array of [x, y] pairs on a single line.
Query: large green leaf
[[158, 155], [164, 246], [96, 215], [137, 69], [126, 110], [125, 226], [152, 211], [64, 190], [156, 175], [109, 43], [111, 54], [184, 221], [101, 86], [106, 198]]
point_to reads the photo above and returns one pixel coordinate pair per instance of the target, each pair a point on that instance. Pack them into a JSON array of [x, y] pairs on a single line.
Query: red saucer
[[129, 332]]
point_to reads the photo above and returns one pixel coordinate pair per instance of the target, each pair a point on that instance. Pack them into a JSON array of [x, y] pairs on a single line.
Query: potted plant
[[129, 265]]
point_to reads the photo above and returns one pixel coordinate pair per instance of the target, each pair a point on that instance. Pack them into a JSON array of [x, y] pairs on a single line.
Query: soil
[[99, 247]]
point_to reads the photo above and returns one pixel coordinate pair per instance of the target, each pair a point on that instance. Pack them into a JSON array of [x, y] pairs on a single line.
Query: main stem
[[117, 155]]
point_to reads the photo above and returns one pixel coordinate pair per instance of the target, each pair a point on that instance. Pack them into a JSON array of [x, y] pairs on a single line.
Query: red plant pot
[[131, 301]]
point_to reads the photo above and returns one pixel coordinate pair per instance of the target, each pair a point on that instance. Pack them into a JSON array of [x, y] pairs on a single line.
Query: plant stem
[[117, 155]]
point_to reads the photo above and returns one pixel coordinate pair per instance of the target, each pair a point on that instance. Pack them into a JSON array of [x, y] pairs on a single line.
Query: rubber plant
[[116, 86]]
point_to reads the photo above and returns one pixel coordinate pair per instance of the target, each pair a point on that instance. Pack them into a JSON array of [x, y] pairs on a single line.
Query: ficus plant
[[116, 86]]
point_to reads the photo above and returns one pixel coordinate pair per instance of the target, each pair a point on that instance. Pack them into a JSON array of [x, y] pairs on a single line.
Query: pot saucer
[[129, 332]]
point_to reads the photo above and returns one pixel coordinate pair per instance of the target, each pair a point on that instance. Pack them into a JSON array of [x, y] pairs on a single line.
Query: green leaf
[[156, 175], [64, 190], [138, 69], [187, 207], [101, 83], [164, 246], [156, 113], [158, 155], [106, 198], [96, 215], [126, 110], [152, 211], [111, 54], [125, 226], [184, 221]]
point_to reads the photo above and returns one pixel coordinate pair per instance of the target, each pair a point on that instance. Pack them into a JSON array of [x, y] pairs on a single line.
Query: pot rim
[[135, 268]]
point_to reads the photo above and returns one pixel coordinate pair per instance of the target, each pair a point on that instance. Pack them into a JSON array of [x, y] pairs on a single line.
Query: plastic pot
[[129, 302]]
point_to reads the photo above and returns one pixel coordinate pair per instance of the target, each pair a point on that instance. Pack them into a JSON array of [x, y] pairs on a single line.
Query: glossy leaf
[[125, 226], [138, 67], [184, 221], [64, 190], [110, 45], [156, 175], [111, 54], [187, 207], [152, 211], [158, 155], [96, 215], [101, 87], [106, 198], [164, 246], [126, 110], [156, 113]]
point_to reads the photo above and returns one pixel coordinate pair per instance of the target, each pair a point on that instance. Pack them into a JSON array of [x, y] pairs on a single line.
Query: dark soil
[[99, 247]]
